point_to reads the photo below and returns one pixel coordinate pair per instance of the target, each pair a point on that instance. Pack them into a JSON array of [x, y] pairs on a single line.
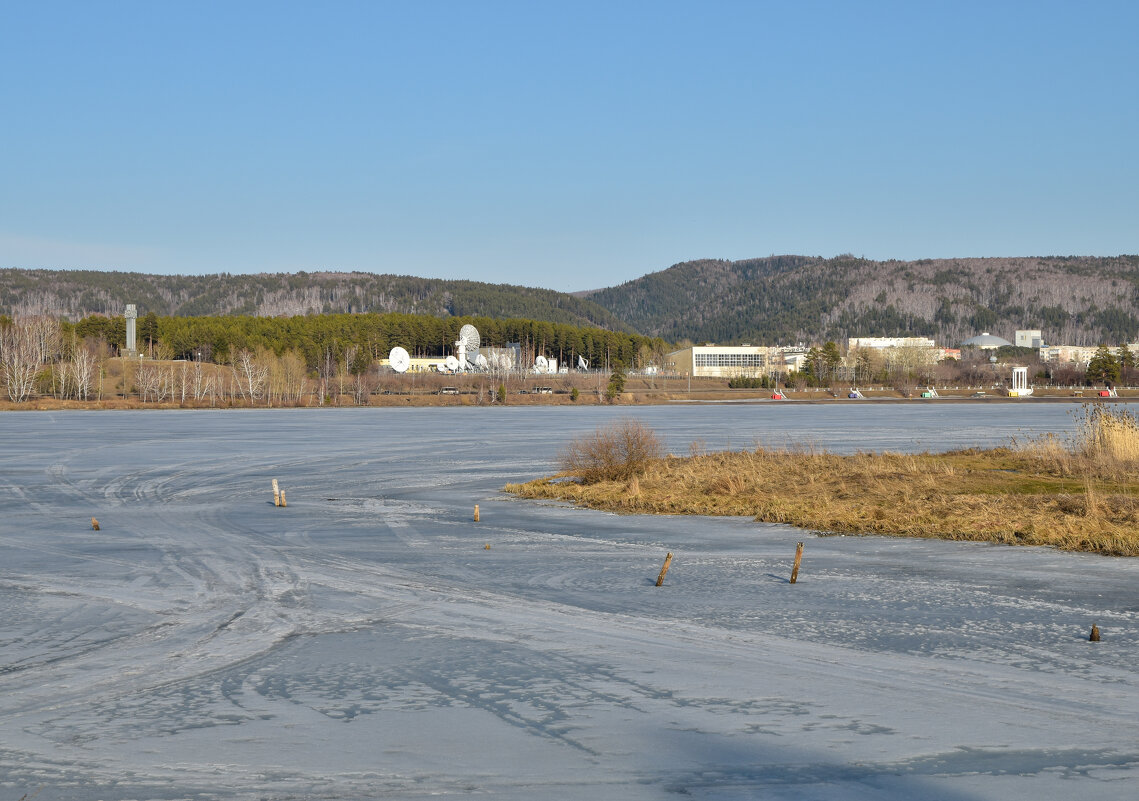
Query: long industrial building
[[728, 361]]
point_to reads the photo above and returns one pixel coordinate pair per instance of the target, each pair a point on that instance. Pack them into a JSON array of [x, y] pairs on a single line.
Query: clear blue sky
[[569, 145]]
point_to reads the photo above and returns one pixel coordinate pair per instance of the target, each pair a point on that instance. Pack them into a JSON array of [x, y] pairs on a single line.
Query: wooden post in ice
[[663, 570], [94, 524], [476, 513], [283, 498], [1095, 634], [276, 494], [798, 559]]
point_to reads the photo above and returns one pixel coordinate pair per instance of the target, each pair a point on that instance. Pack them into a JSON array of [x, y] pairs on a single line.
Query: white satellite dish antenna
[[451, 363], [469, 336], [480, 362], [468, 345], [540, 364], [582, 364], [399, 359]]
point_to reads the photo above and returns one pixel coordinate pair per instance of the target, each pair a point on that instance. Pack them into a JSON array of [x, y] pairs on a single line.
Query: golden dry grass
[[1083, 497]]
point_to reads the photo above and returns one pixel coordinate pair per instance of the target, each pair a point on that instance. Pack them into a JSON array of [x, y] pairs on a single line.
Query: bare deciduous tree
[[287, 378], [155, 382], [23, 345], [83, 368], [251, 375]]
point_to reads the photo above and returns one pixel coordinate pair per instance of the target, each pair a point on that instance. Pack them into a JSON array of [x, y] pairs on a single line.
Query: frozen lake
[[363, 642]]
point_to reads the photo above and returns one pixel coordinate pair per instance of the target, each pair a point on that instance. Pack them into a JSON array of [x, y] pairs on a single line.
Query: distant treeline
[[319, 339]]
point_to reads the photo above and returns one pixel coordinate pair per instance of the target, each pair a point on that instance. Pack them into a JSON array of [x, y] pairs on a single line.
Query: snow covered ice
[[363, 642]]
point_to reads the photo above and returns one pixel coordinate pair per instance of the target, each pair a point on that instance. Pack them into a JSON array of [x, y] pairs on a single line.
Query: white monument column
[[130, 314]]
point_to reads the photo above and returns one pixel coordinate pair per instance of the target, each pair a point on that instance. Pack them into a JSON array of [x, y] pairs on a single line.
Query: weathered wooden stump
[[798, 559], [664, 570]]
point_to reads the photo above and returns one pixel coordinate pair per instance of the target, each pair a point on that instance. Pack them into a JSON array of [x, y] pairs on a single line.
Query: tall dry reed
[[1109, 437]]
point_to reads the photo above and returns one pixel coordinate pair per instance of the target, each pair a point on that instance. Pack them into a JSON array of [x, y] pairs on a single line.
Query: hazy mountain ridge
[[76, 294], [1073, 300]]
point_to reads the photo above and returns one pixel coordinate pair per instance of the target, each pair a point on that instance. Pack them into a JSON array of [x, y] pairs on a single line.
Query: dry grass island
[[1078, 493]]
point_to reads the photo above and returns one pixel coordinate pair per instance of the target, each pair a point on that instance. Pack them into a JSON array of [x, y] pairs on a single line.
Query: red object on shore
[[778, 396], [1103, 393]]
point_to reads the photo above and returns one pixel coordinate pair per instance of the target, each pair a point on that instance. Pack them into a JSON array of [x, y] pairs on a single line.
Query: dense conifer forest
[[327, 337]]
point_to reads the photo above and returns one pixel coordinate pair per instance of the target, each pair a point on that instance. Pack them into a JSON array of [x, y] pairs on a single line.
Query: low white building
[[724, 361], [731, 361]]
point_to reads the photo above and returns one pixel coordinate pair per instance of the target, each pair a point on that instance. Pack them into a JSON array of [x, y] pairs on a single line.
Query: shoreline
[[641, 396]]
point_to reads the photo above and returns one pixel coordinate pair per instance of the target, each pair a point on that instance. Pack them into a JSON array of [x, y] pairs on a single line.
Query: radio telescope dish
[[467, 347], [582, 364], [481, 362], [399, 359], [469, 336], [540, 364], [451, 363]]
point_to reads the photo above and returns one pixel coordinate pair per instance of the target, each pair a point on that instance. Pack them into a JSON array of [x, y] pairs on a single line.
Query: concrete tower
[[131, 314]]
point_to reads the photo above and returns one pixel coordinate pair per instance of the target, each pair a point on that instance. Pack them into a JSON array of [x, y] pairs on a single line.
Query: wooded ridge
[[74, 294], [1073, 300]]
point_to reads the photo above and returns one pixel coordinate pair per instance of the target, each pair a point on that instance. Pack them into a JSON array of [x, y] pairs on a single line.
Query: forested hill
[[76, 294], [785, 299], [781, 299]]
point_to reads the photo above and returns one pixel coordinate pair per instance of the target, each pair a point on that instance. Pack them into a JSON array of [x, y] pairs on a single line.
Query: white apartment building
[[889, 342]]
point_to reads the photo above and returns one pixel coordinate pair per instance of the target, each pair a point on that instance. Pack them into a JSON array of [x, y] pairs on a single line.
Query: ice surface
[[364, 643]]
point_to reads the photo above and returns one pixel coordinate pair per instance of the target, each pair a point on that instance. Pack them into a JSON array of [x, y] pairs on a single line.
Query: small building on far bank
[[1026, 338]]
